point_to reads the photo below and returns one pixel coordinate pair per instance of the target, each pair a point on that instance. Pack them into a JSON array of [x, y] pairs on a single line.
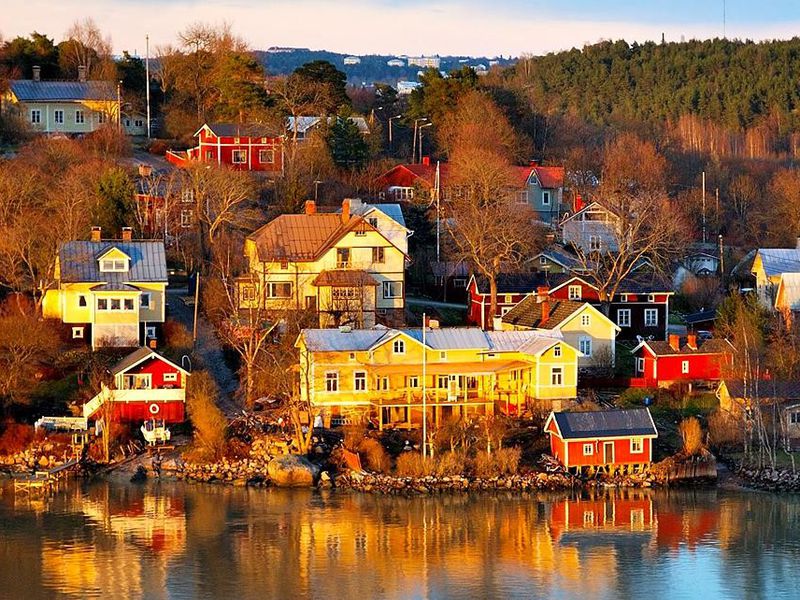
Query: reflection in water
[[190, 541]]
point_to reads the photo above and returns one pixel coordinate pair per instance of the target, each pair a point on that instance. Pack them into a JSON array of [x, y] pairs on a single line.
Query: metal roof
[[306, 123], [452, 338], [78, 262], [28, 90], [136, 357], [241, 130], [301, 237], [779, 260], [787, 390], [605, 423], [788, 295], [531, 342], [115, 287], [333, 340]]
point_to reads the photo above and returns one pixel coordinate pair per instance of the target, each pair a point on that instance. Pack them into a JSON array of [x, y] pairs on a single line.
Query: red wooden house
[[608, 438], [661, 363], [240, 147], [512, 288], [146, 386]]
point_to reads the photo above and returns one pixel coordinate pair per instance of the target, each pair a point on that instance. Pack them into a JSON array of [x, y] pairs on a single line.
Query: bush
[[207, 419], [412, 464], [374, 456], [635, 397], [177, 335], [504, 461], [450, 464], [724, 429], [15, 438], [692, 435], [353, 435], [158, 147]]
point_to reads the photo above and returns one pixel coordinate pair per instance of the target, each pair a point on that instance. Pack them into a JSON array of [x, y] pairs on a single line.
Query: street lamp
[[414, 145], [316, 188], [421, 127], [390, 129]]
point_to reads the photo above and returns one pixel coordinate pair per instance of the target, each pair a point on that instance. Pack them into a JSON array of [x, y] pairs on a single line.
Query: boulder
[[292, 470]]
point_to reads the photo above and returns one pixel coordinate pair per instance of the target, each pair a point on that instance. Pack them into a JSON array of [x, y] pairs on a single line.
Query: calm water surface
[[172, 540]]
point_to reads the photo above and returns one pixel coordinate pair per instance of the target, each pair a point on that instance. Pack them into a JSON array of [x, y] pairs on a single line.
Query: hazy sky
[[476, 27]]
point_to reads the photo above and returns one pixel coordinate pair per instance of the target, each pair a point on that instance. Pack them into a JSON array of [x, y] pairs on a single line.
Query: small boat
[[155, 432]]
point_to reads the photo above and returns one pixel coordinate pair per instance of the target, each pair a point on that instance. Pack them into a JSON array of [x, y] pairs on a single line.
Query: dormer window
[[113, 265]]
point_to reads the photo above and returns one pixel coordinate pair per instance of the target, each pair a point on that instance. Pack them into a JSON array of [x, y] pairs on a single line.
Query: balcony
[[149, 395]]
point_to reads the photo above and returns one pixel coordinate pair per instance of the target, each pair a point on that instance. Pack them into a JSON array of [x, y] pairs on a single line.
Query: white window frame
[[557, 350], [36, 116], [82, 301], [359, 381], [684, 367], [595, 243], [343, 258], [58, 116], [459, 282], [150, 331], [556, 376], [639, 364], [187, 216], [412, 381], [651, 317], [272, 288], [443, 355], [575, 292], [637, 445], [170, 377], [239, 156], [585, 345], [626, 313], [588, 449], [546, 198], [389, 286], [101, 117], [383, 384], [114, 265], [542, 261], [77, 333], [504, 310], [331, 381], [651, 297], [586, 320], [80, 117], [401, 193], [399, 346], [269, 154], [145, 300], [105, 304]]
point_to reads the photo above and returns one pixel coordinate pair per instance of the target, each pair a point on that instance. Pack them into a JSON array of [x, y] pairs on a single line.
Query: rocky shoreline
[[768, 479]]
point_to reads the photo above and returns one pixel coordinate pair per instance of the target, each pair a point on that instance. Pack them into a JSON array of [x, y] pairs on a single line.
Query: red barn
[[607, 438], [146, 386], [240, 147], [663, 363]]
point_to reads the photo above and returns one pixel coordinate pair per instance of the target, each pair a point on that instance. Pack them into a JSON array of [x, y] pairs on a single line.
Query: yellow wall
[[91, 112], [64, 304]]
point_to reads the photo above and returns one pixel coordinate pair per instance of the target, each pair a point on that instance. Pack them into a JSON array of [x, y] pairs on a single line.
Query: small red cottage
[[607, 438], [240, 147], [660, 364], [146, 386]]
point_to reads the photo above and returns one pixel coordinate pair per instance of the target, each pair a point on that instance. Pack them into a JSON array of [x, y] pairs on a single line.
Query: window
[[651, 297], [637, 445], [239, 157], [361, 232], [279, 289], [650, 317], [640, 365], [522, 197], [459, 282], [685, 367], [624, 297], [342, 258], [392, 289], [505, 310], [113, 265], [588, 517], [102, 304], [442, 355], [794, 417], [575, 292], [150, 332], [586, 320], [115, 304], [247, 293], [412, 382], [332, 381], [585, 346], [624, 317], [266, 157], [236, 140], [378, 255], [556, 376], [373, 221], [127, 122], [402, 193], [383, 384], [127, 303], [170, 377], [545, 198], [36, 116], [399, 347], [77, 333], [360, 381], [138, 122], [80, 117], [58, 116], [595, 243], [82, 301], [209, 154], [144, 300], [187, 196], [557, 351], [352, 356], [507, 298], [588, 449], [101, 117], [187, 215], [441, 382], [543, 261]]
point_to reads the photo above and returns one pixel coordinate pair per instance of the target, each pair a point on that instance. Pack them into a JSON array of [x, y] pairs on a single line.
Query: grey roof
[[780, 260], [531, 342], [137, 356], [605, 423], [28, 90], [452, 338], [787, 390], [332, 340], [78, 261], [243, 130], [701, 316], [307, 122], [789, 291], [114, 287]]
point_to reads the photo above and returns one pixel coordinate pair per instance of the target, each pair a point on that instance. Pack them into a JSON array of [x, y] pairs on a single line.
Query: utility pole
[[119, 106], [196, 302], [421, 127], [147, 79], [704, 207], [721, 259], [424, 389], [437, 191], [390, 129]]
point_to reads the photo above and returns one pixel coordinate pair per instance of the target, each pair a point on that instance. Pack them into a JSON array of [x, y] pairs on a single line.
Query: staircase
[[93, 405]]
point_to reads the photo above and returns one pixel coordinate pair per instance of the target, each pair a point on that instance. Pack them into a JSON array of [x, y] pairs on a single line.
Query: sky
[[462, 27]]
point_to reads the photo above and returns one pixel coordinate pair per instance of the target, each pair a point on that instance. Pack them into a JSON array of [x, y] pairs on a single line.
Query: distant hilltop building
[[283, 49], [395, 62], [427, 62], [352, 60], [406, 87]]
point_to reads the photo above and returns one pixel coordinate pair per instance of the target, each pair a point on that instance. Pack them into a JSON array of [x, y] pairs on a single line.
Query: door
[[608, 453], [311, 303], [452, 388]]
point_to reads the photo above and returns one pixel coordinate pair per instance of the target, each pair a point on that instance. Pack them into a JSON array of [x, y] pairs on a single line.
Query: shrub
[[692, 435], [15, 438], [634, 396], [724, 429], [450, 464], [374, 455], [177, 335], [412, 464], [504, 461], [353, 436], [483, 465], [158, 147], [207, 419]]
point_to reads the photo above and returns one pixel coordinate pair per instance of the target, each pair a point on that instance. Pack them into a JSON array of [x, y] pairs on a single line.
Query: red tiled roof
[[550, 177], [528, 313]]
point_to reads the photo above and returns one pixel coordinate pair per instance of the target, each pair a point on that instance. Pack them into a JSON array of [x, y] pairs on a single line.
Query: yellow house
[[581, 324], [340, 266], [110, 292], [769, 264], [383, 373], [69, 107]]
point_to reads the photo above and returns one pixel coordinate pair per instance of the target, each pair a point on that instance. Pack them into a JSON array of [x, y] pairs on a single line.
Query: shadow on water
[[174, 540]]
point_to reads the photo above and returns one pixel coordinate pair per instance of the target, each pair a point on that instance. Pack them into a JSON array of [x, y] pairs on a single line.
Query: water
[[172, 540]]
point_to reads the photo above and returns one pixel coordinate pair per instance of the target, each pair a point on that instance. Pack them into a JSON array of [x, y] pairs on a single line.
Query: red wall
[[588, 293], [701, 366], [172, 411], [622, 453], [156, 368], [476, 308], [208, 143]]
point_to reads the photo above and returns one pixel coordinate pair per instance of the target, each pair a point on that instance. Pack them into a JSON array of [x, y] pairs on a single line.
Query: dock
[[44, 480]]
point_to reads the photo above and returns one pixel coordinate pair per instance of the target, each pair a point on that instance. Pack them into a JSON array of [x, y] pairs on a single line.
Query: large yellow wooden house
[[382, 372], [344, 267], [110, 292], [68, 107]]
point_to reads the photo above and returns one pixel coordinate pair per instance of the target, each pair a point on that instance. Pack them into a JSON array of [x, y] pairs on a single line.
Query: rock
[[140, 476], [292, 470], [43, 462], [325, 480]]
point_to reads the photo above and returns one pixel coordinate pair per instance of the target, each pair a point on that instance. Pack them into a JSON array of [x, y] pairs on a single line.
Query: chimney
[[691, 341], [550, 237], [534, 163], [426, 160], [675, 342], [345, 210], [127, 234], [82, 73], [96, 234], [37, 73], [542, 292], [545, 302], [311, 207]]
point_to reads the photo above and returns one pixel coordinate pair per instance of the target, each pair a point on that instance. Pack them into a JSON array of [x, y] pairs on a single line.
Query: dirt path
[[207, 349]]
